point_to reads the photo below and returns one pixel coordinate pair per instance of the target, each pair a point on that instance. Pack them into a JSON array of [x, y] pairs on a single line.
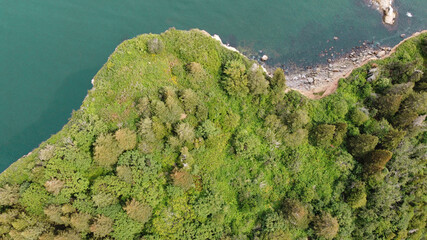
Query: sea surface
[[50, 49]]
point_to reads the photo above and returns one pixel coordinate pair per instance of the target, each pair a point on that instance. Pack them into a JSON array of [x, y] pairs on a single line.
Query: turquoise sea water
[[51, 49]]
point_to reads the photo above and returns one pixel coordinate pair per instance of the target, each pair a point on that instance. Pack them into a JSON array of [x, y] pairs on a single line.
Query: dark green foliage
[[376, 160], [388, 105], [340, 133], [391, 139], [155, 45], [323, 134], [362, 144], [235, 80], [193, 143]]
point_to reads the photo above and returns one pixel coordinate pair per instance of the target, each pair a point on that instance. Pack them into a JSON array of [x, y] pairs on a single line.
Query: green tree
[[388, 105], [358, 117], [185, 132], [183, 179], [126, 139], [340, 133], [107, 150], [190, 100], [296, 213], [235, 80], [278, 80], [356, 196], [138, 211], [9, 195], [362, 144], [102, 226], [404, 119], [323, 134], [155, 46], [54, 186], [376, 161], [392, 138], [257, 83], [326, 226], [80, 221]]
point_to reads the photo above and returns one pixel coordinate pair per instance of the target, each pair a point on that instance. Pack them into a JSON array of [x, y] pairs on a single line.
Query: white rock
[[409, 14], [264, 58]]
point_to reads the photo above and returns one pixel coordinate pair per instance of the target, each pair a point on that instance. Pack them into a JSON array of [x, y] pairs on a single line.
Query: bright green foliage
[[326, 226], [235, 80], [126, 138], [323, 134], [138, 211], [107, 150], [356, 196], [256, 81], [358, 117], [191, 142], [362, 144], [102, 226]]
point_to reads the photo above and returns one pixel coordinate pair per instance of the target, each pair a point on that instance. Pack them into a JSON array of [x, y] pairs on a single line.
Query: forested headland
[[181, 138]]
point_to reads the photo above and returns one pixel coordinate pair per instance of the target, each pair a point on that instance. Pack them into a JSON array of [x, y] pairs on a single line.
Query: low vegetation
[[181, 138]]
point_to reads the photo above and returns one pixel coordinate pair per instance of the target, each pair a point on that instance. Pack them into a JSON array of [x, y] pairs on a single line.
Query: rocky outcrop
[[386, 8]]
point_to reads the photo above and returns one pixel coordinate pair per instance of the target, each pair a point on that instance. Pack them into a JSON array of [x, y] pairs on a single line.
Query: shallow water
[[50, 49]]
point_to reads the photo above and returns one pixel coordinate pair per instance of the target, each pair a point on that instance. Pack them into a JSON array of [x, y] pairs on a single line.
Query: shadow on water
[[68, 96]]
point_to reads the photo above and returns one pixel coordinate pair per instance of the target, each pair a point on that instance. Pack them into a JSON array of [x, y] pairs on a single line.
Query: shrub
[[235, 81], [358, 117], [80, 221], [277, 235], [54, 186], [323, 134], [185, 132], [381, 84], [296, 213], [376, 161], [155, 46], [126, 139], [107, 150], [388, 105], [245, 144], [102, 226], [362, 144], [182, 179], [9, 195], [256, 81], [138, 211], [326, 226], [356, 196], [143, 107]]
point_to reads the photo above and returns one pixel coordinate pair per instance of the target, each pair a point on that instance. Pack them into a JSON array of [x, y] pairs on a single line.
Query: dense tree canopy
[[181, 138]]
